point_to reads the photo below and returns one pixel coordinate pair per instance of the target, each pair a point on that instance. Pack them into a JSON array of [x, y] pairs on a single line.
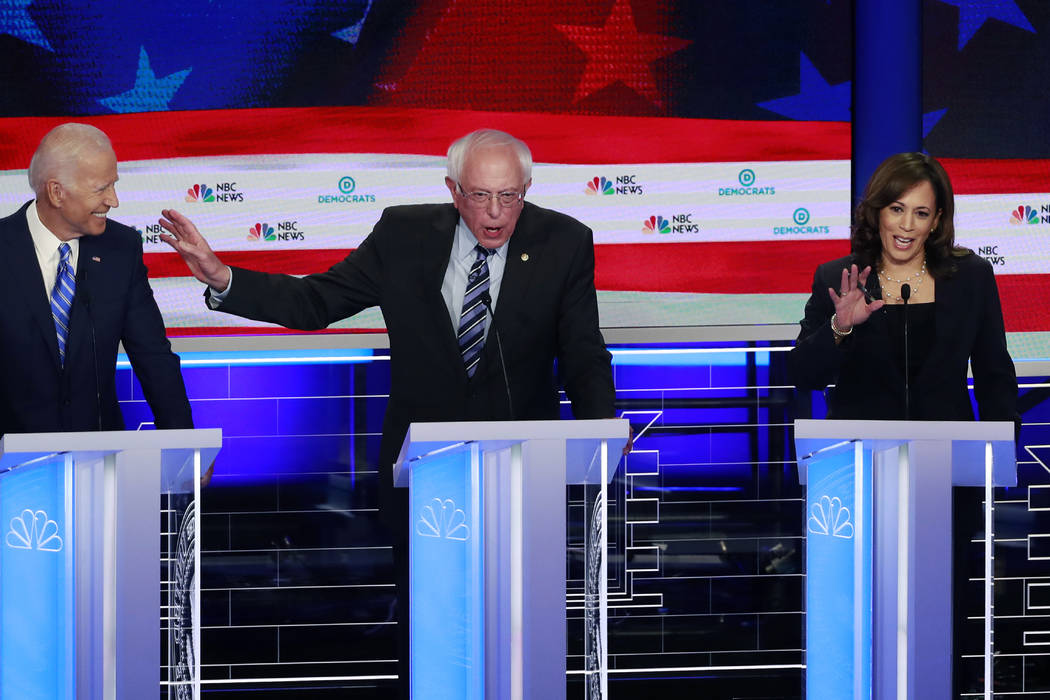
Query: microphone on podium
[[905, 295], [486, 299]]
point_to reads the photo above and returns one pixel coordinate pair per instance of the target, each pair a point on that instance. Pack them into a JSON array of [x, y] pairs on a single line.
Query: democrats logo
[[442, 519], [348, 194], [34, 530], [621, 184], [679, 223], [1025, 214], [285, 231], [801, 219], [222, 192], [745, 186]]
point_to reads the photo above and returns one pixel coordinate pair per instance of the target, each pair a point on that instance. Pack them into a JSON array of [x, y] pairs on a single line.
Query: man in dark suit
[[429, 267], [74, 286]]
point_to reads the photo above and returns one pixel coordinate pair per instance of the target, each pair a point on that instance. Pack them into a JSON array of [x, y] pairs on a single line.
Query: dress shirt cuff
[[215, 296]]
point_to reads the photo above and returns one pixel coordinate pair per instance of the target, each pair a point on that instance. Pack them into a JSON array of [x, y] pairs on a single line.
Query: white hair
[[60, 150], [485, 138]]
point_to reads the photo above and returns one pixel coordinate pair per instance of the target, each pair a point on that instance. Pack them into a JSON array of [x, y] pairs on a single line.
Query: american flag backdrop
[[706, 143]]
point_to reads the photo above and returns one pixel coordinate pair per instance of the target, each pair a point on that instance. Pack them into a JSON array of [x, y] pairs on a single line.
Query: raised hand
[[188, 242], [851, 304]]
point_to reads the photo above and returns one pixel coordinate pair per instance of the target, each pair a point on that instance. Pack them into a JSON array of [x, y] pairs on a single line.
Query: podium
[[488, 559], [879, 550], [81, 589]]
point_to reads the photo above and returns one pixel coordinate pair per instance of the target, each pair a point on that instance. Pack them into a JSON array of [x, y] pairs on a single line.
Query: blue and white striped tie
[[62, 299], [472, 318]]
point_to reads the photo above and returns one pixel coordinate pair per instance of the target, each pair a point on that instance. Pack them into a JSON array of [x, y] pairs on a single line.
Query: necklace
[[917, 278]]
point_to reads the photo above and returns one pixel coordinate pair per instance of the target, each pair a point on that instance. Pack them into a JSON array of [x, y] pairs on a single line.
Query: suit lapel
[[518, 274], [437, 247], [24, 271]]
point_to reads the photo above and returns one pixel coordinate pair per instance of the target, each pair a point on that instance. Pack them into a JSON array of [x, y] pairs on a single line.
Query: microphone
[[486, 299], [85, 297], [905, 295]]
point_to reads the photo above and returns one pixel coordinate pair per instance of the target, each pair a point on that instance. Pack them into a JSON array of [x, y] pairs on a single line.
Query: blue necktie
[[62, 299], [472, 318]]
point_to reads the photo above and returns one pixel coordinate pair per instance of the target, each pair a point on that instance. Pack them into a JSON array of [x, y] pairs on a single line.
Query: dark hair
[[895, 176]]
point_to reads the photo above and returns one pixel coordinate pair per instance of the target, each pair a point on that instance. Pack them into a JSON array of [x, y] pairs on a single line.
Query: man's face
[[89, 194], [491, 170]]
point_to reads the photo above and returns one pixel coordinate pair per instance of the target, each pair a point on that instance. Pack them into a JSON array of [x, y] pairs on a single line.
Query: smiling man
[[439, 272], [75, 287]]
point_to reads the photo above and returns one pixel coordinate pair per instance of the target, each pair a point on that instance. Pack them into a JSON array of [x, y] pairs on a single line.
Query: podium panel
[[488, 559], [81, 584], [879, 549]]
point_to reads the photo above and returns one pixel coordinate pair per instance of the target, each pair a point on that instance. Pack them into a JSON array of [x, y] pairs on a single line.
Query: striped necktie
[[472, 318], [62, 299]]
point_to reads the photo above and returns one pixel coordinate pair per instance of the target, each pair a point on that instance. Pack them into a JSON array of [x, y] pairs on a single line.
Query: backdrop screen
[[706, 144]]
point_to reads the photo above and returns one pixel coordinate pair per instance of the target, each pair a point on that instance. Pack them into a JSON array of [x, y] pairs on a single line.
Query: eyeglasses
[[482, 199]]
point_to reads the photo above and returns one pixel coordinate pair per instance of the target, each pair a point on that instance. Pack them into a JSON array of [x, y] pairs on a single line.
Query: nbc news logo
[[222, 192], [621, 184], [679, 223]]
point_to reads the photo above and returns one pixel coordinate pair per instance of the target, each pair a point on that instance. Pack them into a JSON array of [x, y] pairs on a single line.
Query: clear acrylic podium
[[879, 550], [81, 590], [488, 560]]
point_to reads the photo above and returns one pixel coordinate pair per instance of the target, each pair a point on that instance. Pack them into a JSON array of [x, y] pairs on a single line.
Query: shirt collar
[[45, 242]]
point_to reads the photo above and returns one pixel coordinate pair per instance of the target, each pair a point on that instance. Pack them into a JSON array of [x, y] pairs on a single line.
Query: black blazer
[[869, 385], [113, 297], [547, 310]]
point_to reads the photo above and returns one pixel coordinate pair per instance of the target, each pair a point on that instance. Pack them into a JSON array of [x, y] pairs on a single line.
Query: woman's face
[[904, 225]]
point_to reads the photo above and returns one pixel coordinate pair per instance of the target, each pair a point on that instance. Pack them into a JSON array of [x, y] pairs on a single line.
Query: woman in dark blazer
[[853, 332]]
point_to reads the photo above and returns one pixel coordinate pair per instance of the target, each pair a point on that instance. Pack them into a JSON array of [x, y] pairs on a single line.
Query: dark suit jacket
[[37, 394], [869, 384], [547, 310]]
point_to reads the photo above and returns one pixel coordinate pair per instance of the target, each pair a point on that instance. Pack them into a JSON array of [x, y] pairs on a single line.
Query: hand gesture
[[851, 304], [187, 241]]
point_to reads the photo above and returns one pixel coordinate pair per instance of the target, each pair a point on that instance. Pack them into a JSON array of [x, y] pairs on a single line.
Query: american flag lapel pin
[[96, 258]]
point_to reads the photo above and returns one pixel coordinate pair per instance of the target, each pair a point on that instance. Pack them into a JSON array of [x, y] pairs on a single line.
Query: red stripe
[[206, 331], [1024, 302], [554, 138], [719, 268], [986, 176], [712, 268]]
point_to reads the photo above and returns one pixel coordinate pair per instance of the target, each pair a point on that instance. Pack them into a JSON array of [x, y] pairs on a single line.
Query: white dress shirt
[[454, 285], [46, 245]]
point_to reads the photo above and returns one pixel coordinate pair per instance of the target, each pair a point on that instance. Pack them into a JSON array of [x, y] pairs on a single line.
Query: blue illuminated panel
[[838, 581], [36, 579], [447, 579]]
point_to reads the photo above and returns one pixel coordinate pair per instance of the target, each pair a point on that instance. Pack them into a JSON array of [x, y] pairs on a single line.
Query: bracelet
[[836, 331]]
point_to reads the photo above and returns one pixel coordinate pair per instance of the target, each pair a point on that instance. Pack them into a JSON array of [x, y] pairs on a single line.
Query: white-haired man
[[74, 288], [434, 269]]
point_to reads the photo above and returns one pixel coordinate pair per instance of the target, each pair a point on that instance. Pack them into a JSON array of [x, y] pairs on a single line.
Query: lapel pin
[[96, 258], [524, 257]]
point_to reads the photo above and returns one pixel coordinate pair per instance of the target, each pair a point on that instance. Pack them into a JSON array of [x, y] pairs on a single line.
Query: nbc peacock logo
[[261, 232], [599, 185], [1024, 214], [656, 224], [200, 193]]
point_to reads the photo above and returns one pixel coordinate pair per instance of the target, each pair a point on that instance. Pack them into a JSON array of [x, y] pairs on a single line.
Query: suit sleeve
[[315, 301], [145, 340], [815, 359], [994, 376], [584, 362]]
